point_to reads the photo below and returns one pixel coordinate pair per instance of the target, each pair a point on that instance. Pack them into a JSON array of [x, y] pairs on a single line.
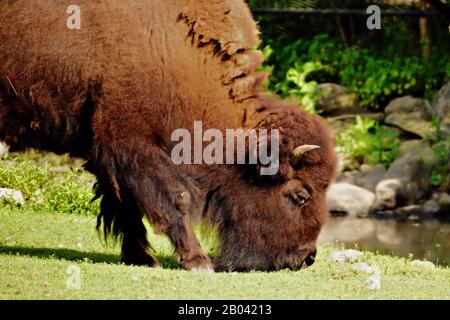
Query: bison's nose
[[310, 258]]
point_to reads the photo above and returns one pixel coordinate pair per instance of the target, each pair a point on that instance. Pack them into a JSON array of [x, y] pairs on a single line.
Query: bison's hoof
[[146, 260], [199, 264]]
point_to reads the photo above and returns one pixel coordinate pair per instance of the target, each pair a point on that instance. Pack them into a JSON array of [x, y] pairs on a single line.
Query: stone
[[347, 177], [411, 115], [408, 212], [373, 282], [407, 181], [364, 267], [423, 264], [370, 177], [430, 209], [344, 256], [443, 199], [408, 145], [367, 177], [441, 105], [349, 199], [60, 169], [12, 196], [336, 99], [4, 149]]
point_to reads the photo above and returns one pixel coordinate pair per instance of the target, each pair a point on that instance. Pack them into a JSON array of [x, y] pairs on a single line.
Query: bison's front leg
[[190, 253], [158, 189]]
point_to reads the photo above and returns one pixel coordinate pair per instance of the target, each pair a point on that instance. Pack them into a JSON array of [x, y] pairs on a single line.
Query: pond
[[426, 240]]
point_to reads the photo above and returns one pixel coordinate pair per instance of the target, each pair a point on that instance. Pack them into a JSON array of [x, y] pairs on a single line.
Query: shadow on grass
[[167, 262]]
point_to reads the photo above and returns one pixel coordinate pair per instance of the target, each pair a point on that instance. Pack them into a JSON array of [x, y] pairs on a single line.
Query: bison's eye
[[299, 198]]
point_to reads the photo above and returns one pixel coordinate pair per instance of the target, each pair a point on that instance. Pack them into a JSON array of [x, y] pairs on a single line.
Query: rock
[[430, 209], [12, 196], [347, 177], [423, 264], [407, 181], [4, 149], [344, 256], [370, 177], [350, 199], [60, 169], [443, 199], [408, 145], [367, 178], [410, 114], [362, 266], [437, 205], [441, 106], [336, 99], [404, 213], [373, 283]]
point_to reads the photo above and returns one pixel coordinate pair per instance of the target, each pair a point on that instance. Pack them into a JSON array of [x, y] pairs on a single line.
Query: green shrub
[[44, 190], [440, 168], [369, 142], [376, 78]]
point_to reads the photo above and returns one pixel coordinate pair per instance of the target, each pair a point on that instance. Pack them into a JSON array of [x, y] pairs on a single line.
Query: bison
[[113, 91]]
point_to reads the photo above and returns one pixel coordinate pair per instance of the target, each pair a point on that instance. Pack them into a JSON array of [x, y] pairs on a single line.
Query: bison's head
[[20, 125], [275, 220]]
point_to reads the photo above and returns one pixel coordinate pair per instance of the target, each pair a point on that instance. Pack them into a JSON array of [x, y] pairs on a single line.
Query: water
[[428, 240]]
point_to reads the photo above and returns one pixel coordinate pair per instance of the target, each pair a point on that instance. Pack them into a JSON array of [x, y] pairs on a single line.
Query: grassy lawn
[[37, 250]]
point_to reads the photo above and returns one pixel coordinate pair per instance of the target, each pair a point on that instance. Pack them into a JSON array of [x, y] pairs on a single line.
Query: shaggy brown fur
[[114, 91]]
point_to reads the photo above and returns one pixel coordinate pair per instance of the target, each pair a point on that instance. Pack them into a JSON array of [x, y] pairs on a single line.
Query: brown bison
[[112, 93]]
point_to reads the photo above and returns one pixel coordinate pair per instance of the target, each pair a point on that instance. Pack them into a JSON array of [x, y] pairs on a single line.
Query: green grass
[[36, 250]]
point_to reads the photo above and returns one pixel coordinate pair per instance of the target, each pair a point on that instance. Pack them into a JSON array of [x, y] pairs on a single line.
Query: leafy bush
[[44, 190], [375, 78], [440, 146], [369, 142]]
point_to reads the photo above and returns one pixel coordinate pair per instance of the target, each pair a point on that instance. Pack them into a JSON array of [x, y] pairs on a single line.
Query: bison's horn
[[299, 152]]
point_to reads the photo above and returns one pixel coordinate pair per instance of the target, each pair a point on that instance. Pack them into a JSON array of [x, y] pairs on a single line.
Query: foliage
[[376, 78], [304, 90], [44, 189], [440, 146], [369, 142]]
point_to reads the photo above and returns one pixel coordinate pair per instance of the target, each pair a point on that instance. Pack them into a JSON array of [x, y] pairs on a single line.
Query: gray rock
[[344, 256], [60, 169], [437, 205], [411, 115], [4, 149], [373, 282], [407, 212], [441, 103], [423, 264], [430, 209], [12, 196], [367, 178], [408, 145], [444, 200], [336, 99], [407, 181], [364, 267], [347, 177], [349, 199]]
